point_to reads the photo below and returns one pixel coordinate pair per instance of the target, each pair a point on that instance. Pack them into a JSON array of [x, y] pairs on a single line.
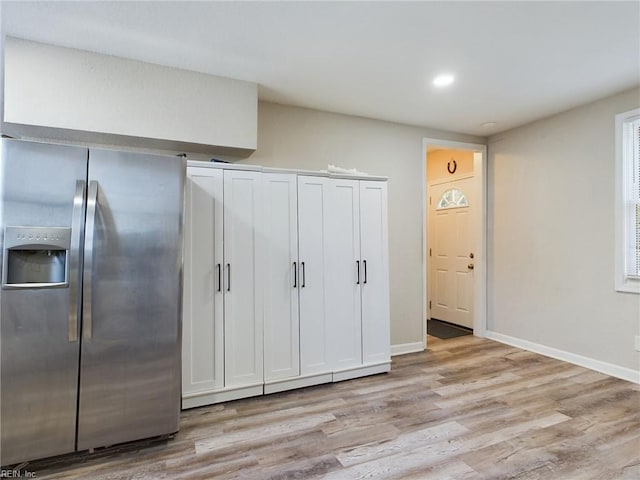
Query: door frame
[[479, 226]]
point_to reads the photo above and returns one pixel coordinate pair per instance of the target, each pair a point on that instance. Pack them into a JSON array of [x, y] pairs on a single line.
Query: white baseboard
[[597, 365], [403, 348]]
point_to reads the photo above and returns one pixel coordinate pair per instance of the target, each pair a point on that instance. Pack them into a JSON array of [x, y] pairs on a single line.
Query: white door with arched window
[[451, 255]]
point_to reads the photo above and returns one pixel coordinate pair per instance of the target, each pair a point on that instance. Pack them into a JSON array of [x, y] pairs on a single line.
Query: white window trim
[[623, 282]]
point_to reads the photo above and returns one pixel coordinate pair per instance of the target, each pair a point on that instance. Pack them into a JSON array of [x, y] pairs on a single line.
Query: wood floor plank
[[262, 432], [466, 409], [402, 443]]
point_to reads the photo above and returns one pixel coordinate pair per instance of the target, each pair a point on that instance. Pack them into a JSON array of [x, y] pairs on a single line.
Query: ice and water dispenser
[[36, 257]]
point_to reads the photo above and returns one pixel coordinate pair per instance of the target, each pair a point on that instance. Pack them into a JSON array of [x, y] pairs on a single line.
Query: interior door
[[451, 252], [312, 215], [281, 282], [374, 280], [343, 262], [243, 325], [202, 333], [130, 356]]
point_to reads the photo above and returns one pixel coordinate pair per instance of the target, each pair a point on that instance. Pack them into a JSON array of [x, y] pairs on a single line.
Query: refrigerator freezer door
[[130, 361], [39, 346]]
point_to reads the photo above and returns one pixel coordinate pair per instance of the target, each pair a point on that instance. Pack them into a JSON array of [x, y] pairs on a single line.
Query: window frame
[[624, 170]]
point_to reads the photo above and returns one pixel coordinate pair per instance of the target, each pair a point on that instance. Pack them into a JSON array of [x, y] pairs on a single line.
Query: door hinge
[[429, 252], [429, 303], [429, 200]]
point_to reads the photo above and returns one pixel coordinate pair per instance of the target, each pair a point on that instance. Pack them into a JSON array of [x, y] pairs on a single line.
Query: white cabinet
[[343, 305], [374, 283], [222, 304], [296, 340], [242, 279], [315, 342], [202, 331], [285, 282], [344, 290], [281, 315], [358, 291]]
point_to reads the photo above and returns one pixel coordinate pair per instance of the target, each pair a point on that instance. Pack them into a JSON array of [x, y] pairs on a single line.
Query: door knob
[[470, 266]]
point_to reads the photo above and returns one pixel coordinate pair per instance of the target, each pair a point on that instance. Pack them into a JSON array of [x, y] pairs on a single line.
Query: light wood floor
[[468, 408]]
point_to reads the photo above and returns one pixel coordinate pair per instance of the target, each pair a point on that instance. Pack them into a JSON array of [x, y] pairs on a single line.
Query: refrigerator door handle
[[75, 259], [92, 204]]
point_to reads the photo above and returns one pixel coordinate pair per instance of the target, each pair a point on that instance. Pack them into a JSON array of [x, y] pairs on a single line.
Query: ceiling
[[514, 62]]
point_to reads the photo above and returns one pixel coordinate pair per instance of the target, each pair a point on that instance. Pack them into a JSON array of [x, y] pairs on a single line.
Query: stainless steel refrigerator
[[90, 302]]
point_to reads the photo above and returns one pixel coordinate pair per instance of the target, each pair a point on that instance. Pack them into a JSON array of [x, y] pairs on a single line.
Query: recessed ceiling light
[[489, 124], [443, 80]]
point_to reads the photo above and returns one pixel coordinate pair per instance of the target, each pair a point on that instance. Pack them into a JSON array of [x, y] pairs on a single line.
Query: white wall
[[75, 90], [551, 235], [309, 139]]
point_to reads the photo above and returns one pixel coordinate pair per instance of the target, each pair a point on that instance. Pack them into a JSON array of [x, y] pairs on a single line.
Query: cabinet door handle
[[295, 275], [364, 263], [358, 267], [304, 275], [228, 277], [219, 267]]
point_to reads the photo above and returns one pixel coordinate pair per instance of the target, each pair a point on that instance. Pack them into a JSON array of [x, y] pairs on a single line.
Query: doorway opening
[[454, 237]]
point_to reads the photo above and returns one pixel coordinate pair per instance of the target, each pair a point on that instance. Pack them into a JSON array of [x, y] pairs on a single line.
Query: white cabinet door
[[343, 261], [281, 325], [202, 331], [242, 279], [375, 272], [314, 339]]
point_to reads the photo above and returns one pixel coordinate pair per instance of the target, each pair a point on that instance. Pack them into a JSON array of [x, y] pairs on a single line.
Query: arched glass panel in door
[[452, 198]]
